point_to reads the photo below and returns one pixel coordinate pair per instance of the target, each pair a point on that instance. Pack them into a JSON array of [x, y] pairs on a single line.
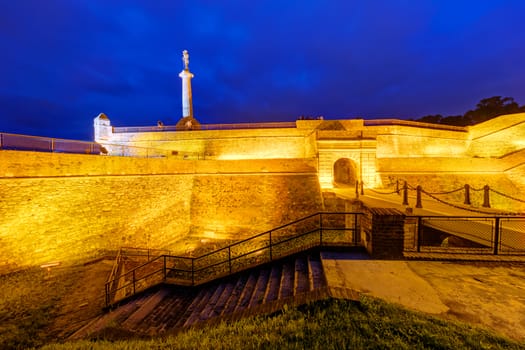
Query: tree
[[491, 107], [486, 109]]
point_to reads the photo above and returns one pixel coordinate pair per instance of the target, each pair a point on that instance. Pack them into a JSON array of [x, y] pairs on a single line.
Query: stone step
[[274, 283], [209, 308], [231, 304], [145, 309], [223, 299], [168, 312], [287, 280], [302, 282], [193, 311], [316, 273], [172, 308], [115, 316], [260, 288], [246, 295]]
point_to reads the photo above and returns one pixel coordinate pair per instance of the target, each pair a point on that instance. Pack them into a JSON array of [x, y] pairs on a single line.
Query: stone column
[[186, 75]]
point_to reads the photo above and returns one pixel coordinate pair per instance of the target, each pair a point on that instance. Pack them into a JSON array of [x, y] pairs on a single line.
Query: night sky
[[63, 62]]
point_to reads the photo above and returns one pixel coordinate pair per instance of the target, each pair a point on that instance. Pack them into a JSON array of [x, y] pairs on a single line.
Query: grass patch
[[26, 307], [328, 324], [38, 306]]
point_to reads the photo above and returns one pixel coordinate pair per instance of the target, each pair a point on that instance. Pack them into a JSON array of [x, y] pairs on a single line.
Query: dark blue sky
[[63, 62]]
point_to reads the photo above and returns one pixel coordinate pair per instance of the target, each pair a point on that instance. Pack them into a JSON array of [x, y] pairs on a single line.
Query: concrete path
[[430, 207], [485, 294]]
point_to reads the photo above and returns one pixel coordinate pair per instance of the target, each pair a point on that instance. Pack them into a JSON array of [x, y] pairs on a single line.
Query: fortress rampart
[[221, 185], [65, 207]]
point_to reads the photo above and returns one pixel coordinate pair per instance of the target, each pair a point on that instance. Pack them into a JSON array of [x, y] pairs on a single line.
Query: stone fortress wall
[[378, 151], [235, 183], [65, 207]]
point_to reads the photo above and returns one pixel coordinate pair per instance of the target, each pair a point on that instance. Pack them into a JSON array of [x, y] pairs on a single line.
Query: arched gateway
[[344, 173]]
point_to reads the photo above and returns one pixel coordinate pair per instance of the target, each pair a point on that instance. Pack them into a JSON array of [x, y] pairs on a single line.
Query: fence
[[321, 229], [495, 235], [463, 192], [46, 144], [274, 125]]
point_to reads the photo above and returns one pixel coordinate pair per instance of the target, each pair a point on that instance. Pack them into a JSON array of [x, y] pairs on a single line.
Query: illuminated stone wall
[[61, 207], [224, 144], [497, 137]]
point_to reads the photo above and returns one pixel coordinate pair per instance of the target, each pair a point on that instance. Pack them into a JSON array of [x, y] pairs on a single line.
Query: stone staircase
[[264, 289]]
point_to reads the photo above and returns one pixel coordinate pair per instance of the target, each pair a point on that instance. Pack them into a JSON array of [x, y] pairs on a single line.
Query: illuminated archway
[[344, 173]]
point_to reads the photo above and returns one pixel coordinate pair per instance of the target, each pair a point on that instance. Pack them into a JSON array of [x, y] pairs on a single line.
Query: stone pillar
[[186, 75], [383, 232]]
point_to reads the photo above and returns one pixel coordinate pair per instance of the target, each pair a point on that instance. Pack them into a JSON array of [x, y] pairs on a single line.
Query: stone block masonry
[[60, 207]]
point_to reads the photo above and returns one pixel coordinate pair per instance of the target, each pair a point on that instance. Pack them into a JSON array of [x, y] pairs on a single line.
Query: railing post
[[52, 145], [362, 188], [357, 189], [230, 258], [397, 187], [486, 198], [419, 231], [405, 193], [467, 194], [496, 235], [418, 197]]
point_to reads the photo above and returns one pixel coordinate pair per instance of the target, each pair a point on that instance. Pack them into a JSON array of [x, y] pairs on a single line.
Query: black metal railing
[[316, 230], [495, 235], [47, 144]]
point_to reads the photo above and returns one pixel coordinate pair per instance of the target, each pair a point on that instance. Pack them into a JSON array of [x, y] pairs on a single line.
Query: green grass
[[328, 324], [26, 308]]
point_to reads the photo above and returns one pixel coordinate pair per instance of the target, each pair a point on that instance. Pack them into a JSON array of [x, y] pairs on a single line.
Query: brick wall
[[383, 232]]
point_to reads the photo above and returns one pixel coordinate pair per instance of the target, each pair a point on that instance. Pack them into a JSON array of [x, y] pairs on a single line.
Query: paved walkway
[[487, 294], [430, 207]]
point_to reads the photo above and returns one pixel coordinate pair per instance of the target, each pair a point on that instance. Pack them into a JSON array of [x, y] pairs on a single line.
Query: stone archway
[[344, 173]]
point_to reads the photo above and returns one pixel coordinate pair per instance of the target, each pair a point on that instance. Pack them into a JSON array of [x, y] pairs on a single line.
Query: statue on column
[[185, 59]]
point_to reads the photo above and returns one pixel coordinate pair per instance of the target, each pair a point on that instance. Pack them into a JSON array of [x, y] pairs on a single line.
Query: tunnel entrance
[[344, 173]]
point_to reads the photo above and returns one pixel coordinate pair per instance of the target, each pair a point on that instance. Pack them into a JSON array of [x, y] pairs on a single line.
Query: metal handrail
[[47, 144], [192, 270], [498, 235]]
